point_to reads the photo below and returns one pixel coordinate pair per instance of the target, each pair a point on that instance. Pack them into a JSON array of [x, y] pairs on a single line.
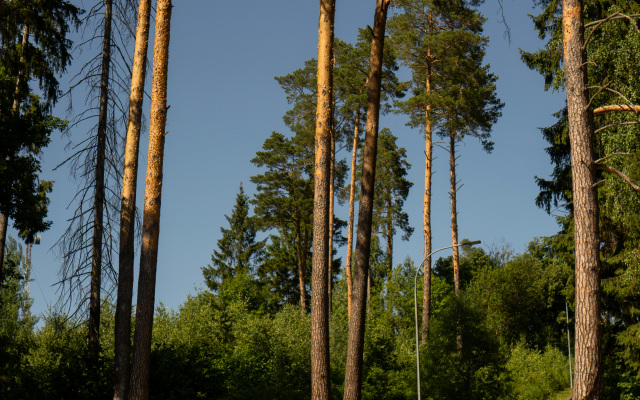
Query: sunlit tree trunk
[[352, 192], [151, 217], [355, 346], [588, 383], [426, 213], [128, 207], [320, 364]]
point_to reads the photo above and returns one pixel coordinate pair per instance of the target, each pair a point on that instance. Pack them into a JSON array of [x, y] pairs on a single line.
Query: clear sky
[[225, 103]]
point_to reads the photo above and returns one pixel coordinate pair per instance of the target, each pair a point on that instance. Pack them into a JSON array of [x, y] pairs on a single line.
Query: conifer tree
[[391, 190], [128, 206], [284, 198], [355, 346], [443, 45], [35, 47], [238, 252], [141, 361]]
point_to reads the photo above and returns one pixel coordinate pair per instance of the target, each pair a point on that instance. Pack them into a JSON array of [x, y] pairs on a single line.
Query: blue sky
[[225, 103]]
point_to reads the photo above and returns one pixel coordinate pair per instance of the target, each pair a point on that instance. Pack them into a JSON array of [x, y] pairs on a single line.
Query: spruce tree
[[238, 251]]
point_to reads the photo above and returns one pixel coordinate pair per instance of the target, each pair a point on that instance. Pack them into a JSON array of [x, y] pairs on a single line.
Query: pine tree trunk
[[588, 383], [320, 364], [454, 232], [17, 100], [355, 346], [98, 198], [302, 271], [389, 238], [332, 180], [426, 214], [4, 222], [128, 208], [139, 389], [351, 212]]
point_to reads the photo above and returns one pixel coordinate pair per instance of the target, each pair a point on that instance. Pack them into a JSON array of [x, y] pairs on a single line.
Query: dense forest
[[306, 293]]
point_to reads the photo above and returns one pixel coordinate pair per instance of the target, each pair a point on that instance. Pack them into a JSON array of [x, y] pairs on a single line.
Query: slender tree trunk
[[389, 238], [454, 231], [588, 332], [139, 389], [320, 364], [128, 207], [98, 198], [4, 222], [302, 271], [332, 182], [17, 100], [426, 213], [351, 212], [355, 346]]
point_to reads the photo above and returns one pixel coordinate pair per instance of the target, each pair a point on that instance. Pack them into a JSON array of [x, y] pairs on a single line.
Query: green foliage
[[204, 351], [16, 323], [235, 261], [537, 375], [25, 120]]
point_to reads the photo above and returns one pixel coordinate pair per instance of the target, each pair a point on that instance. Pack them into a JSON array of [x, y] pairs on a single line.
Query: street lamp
[[415, 302]]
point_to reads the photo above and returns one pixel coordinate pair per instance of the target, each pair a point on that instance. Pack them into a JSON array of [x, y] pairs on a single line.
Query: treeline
[[231, 346]]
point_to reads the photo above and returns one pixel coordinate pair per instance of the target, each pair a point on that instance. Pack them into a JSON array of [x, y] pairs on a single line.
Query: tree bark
[[98, 198], [302, 270], [454, 232], [389, 238], [351, 212], [4, 222], [320, 364], [355, 346], [426, 214], [332, 179], [588, 383], [128, 207], [151, 219]]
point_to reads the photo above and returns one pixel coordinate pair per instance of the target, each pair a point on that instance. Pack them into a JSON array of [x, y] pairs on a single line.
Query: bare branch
[[624, 177], [616, 124], [611, 155], [617, 107]]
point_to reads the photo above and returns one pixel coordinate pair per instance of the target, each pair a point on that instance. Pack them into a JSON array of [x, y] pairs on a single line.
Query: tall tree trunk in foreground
[[98, 199], [151, 219], [4, 217], [426, 213], [320, 365], [454, 231], [128, 207], [352, 192], [355, 346], [588, 332]]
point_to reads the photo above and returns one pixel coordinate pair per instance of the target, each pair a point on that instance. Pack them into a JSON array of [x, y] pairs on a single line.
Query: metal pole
[[566, 307], [415, 303]]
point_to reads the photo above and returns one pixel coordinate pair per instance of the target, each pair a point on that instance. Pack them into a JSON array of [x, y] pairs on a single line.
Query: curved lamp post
[[415, 302]]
